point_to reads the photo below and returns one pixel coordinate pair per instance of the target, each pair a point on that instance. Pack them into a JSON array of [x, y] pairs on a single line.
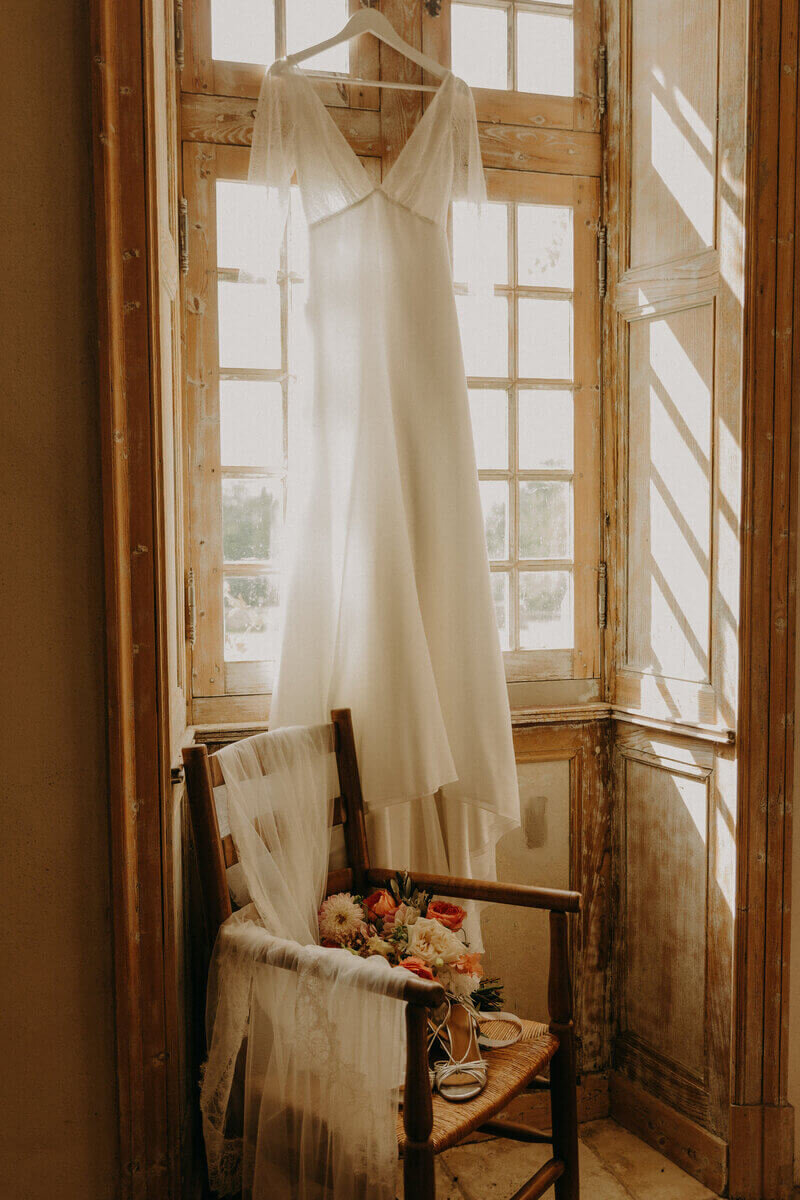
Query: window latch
[[601, 260], [602, 593], [602, 79], [191, 608], [183, 234], [180, 52]]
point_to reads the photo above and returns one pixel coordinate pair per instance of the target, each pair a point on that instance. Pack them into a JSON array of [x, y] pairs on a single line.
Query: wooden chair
[[428, 1125]]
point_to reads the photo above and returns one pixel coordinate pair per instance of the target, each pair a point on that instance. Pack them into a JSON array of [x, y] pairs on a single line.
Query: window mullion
[[280, 28]]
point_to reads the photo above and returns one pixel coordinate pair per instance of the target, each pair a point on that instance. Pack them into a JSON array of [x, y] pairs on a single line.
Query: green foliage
[[488, 996], [403, 891], [250, 517], [543, 519]]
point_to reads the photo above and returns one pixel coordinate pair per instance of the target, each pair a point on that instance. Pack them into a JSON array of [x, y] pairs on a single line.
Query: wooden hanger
[[370, 20]]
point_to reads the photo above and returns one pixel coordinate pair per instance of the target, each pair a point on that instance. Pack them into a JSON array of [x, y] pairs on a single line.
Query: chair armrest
[[552, 899], [264, 947]]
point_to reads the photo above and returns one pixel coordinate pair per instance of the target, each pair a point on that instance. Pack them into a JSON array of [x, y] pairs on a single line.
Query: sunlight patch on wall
[[682, 170]]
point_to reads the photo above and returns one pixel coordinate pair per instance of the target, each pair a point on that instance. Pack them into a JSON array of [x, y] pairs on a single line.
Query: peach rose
[[449, 915], [469, 964], [417, 967], [380, 903]]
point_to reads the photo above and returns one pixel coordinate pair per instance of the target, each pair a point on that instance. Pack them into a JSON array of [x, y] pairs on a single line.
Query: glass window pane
[[545, 338], [243, 30], [252, 516], [251, 618], [494, 227], [545, 518], [544, 240], [494, 501], [479, 45], [489, 411], [312, 21], [546, 429], [298, 235], [545, 610], [251, 423], [249, 324], [241, 215], [545, 53], [484, 335], [500, 595]]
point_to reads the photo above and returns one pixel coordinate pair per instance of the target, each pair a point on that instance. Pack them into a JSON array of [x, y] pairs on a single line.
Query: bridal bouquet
[[411, 930]]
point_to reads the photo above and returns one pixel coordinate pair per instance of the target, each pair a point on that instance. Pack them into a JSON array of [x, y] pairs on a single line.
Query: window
[[533, 408], [525, 47], [259, 31], [229, 42], [531, 350]]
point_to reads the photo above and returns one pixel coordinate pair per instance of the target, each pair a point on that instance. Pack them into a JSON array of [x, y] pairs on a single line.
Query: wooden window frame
[[580, 111], [582, 196], [546, 156], [217, 682], [215, 77]]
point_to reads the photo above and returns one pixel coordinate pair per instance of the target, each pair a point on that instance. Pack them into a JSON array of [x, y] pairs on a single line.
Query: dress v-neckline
[[427, 117]]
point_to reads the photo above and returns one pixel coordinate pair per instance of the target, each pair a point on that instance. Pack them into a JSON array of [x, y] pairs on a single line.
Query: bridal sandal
[[462, 1075], [490, 1018]]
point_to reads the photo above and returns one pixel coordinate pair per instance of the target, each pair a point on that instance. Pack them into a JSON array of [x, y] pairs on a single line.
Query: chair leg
[[564, 1111], [419, 1179]]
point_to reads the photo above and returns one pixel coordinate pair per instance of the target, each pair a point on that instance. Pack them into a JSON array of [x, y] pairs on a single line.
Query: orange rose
[[417, 967], [469, 964], [449, 915], [380, 903]]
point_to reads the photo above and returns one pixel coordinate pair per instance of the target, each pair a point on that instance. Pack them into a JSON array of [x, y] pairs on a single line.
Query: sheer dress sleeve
[[272, 164], [469, 187]]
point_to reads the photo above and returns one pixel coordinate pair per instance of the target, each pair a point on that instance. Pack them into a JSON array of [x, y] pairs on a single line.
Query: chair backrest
[[215, 853]]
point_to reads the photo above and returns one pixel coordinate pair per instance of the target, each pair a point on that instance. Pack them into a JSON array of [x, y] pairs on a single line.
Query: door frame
[[762, 1122], [136, 578]]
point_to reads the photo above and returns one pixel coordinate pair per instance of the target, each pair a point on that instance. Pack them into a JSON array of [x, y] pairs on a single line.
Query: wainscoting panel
[[674, 858]]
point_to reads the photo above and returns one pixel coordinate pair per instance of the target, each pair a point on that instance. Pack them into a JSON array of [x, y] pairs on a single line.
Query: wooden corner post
[[761, 1124]]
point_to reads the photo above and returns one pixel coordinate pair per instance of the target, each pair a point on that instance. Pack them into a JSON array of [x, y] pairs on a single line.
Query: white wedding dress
[[388, 606]]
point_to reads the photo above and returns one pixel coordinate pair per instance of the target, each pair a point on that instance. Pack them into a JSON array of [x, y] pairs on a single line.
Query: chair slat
[[217, 854], [216, 771]]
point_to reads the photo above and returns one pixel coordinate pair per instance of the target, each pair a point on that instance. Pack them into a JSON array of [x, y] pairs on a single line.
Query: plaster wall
[[58, 1134]]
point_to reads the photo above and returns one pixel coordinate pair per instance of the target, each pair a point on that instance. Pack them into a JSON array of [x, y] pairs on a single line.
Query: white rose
[[431, 942]]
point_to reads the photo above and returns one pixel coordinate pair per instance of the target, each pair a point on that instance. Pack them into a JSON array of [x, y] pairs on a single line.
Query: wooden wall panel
[[673, 123], [669, 494], [538, 852], [674, 857], [664, 915], [584, 745]]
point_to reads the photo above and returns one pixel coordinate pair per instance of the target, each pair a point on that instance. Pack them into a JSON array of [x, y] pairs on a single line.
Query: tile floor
[[615, 1165]]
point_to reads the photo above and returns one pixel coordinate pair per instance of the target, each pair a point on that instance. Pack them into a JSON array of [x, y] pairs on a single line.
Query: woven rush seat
[[510, 1070]]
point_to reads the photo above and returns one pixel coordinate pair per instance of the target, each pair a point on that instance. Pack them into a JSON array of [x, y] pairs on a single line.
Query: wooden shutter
[[673, 369]]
